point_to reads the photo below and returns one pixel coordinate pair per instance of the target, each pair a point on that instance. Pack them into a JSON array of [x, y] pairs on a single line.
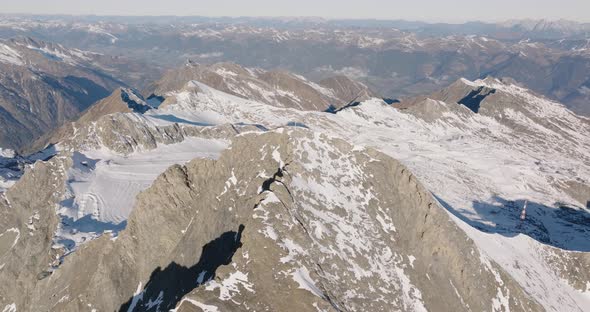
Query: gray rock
[[266, 227]]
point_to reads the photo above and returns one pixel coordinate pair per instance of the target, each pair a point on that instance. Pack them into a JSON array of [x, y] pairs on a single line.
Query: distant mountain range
[[397, 59], [43, 85]]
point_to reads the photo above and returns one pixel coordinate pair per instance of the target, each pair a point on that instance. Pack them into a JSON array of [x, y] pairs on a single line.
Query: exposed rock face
[[42, 85], [346, 88], [278, 88], [28, 255], [127, 133], [580, 190], [266, 228], [122, 100]]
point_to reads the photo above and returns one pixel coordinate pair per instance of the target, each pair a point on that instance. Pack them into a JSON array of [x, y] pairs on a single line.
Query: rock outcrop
[[270, 226], [122, 100]]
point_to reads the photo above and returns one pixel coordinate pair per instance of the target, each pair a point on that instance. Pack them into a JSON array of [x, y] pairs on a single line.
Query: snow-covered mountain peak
[[278, 88], [31, 49], [505, 100]]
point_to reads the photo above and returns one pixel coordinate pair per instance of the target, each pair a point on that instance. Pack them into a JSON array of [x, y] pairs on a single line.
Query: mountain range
[[277, 165], [44, 85], [397, 59], [212, 200]]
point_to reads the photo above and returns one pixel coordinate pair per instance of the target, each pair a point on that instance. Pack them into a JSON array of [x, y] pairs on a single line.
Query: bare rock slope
[[122, 100], [265, 227]]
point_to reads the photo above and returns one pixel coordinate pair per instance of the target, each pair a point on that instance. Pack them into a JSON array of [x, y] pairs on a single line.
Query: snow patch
[[9, 308], [9, 55], [137, 296], [301, 276], [230, 286], [202, 306]]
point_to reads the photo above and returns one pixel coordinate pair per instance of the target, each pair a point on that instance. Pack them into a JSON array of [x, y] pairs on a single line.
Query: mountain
[[471, 198], [396, 59], [297, 232], [122, 100], [278, 88], [549, 28], [43, 85], [482, 167]]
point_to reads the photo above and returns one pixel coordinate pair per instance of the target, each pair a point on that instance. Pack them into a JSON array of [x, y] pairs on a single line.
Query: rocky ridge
[[312, 205], [296, 228]]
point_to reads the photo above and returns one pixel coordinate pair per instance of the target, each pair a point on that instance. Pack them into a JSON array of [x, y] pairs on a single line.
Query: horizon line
[[278, 17]]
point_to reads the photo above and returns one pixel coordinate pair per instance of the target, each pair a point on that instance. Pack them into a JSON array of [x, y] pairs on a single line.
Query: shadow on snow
[[561, 226]]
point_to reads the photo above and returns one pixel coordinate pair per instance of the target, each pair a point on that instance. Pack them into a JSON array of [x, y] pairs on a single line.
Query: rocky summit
[[267, 220]]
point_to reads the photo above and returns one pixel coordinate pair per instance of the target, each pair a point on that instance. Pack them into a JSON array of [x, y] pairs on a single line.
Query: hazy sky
[[429, 10]]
